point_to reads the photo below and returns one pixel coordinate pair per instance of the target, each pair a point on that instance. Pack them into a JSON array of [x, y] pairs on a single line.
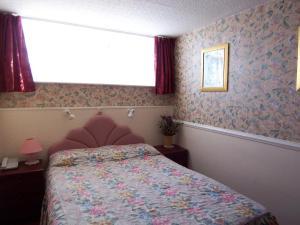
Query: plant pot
[[168, 142]]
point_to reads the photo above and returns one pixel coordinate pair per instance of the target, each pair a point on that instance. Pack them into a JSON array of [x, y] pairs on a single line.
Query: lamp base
[[32, 162]]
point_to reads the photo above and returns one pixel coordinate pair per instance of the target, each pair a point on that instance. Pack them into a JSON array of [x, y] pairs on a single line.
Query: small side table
[[178, 154], [21, 193]]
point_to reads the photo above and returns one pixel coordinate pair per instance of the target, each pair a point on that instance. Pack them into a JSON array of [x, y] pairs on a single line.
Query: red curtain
[[164, 65], [15, 72]]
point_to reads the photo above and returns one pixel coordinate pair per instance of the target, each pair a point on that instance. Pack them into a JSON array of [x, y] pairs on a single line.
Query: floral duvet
[[135, 184]]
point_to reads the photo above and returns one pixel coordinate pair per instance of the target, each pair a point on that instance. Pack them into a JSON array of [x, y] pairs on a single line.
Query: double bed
[[103, 174]]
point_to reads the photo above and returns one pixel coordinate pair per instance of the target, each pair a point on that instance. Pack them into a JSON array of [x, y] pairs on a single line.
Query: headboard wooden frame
[[100, 130]]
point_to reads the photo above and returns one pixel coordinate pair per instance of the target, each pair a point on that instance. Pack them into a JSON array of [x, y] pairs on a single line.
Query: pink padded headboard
[[98, 131]]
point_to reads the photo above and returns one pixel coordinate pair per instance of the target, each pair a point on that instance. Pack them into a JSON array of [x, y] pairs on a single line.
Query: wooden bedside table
[[21, 194], [177, 154]]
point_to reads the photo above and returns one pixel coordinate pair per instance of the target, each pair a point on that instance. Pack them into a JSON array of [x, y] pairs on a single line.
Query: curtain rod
[[86, 26], [7, 12]]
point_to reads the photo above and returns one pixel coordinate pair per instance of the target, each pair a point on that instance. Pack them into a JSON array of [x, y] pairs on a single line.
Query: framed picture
[[298, 67], [214, 71]]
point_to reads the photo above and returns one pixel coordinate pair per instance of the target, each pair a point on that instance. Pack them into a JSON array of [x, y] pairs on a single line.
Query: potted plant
[[168, 128]]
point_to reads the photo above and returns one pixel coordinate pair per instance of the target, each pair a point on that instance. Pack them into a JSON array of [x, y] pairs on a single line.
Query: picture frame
[[214, 70], [298, 66]]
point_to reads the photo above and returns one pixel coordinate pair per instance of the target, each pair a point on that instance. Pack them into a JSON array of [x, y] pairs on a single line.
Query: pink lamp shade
[[31, 146]]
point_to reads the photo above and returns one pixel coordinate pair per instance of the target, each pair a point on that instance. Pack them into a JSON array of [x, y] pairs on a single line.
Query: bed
[[103, 174]]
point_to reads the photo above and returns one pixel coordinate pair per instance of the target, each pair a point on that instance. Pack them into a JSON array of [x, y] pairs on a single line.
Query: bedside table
[[177, 154], [21, 194]]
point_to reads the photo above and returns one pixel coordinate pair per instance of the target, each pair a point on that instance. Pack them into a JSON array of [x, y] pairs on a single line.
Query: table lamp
[[31, 147]]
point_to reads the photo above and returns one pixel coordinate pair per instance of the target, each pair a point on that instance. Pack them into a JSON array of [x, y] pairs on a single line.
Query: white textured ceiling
[[148, 17]]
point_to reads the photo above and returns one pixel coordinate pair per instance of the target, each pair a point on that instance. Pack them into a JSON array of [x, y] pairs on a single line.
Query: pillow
[[101, 154]]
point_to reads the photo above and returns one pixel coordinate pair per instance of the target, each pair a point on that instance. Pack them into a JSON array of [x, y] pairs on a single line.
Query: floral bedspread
[[135, 184]]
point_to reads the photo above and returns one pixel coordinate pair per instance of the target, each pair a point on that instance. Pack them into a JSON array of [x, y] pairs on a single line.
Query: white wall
[[266, 173], [51, 124]]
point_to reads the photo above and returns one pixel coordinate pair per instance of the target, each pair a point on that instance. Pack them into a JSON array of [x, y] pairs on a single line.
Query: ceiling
[[147, 17]]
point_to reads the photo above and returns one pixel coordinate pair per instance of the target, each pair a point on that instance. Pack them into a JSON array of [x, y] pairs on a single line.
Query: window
[[72, 54]]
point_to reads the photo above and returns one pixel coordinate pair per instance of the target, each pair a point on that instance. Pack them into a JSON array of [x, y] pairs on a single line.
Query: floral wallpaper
[[261, 97], [81, 95]]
